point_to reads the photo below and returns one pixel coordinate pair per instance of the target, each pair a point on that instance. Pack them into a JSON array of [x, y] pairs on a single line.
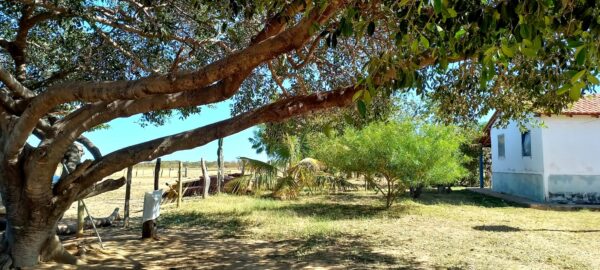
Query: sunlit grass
[[461, 229]]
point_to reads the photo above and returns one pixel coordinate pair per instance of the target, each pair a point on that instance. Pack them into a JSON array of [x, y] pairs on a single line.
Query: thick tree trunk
[[31, 218], [30, 237]]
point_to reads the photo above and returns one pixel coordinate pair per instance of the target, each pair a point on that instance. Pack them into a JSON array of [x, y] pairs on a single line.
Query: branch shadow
[[334, 211], [227, 224], [194, 248], [505, 228], [341, 250], [463, 197]]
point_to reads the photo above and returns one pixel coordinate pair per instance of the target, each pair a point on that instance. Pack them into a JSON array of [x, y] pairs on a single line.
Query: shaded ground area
[[461, 230]]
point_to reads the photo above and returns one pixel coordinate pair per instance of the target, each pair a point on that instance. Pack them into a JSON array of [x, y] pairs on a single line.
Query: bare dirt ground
[[193, 248], [123, 247]]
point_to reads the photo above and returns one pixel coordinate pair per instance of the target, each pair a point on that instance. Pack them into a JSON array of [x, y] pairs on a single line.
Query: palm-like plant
[[288, 172], [286, 182], [262, 175]]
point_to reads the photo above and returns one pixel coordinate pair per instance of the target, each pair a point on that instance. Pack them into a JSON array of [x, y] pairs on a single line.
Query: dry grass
[[461, 230]]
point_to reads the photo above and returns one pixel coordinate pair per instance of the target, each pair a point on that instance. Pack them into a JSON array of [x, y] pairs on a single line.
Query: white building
[[556, 163]]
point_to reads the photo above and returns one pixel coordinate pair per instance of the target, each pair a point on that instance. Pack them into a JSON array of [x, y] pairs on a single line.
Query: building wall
[[515, 174], [571, 149]]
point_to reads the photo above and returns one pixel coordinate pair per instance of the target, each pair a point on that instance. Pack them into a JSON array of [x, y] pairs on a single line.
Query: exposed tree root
[[54, 251], [68, 229]]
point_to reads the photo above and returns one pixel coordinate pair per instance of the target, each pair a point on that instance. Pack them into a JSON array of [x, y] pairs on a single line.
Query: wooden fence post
[[80, 221], [220, 165], [206, 179], [156, 173], [179, 186], [149, 227], [127, 197]]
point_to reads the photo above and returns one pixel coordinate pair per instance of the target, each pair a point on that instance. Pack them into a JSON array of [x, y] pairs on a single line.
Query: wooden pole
[[206, 179], [127, 197], [149, 227], [80, 221], [220, 165], [179, 187], [481, 177], [156, 173]]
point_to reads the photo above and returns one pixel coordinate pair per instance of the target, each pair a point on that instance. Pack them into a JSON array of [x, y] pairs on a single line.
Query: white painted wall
[[514, 162], [566, 152], [572, 145]]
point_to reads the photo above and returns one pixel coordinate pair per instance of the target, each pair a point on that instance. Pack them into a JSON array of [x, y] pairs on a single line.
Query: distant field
[[461, 230], [142, 181]]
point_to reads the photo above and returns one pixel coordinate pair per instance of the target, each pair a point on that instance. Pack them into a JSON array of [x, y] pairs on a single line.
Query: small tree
[[403, 153]]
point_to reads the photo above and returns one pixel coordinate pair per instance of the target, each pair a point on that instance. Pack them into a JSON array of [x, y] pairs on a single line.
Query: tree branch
[[305, 58], [236, 62], [99, 188], [274, 112], [95, 151], [14, 85], [277, 79], [59, 75], [91, 115]]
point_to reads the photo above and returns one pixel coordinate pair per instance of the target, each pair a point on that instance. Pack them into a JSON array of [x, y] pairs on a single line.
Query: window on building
[[526, 143], [501, 153]]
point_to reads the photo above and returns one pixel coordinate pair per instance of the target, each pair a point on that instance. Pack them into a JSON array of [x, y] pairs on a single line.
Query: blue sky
[[125, 131]]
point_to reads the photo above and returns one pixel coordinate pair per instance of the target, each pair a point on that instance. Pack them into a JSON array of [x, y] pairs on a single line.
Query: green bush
[[402, 153]]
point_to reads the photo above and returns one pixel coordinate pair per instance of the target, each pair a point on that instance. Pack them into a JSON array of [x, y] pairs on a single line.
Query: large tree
[[68, 67]]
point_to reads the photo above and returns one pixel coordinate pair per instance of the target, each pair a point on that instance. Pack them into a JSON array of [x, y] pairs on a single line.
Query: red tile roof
[[588, 105]]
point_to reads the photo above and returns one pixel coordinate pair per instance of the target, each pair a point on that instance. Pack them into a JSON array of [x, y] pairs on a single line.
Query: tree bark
[[31, 218], [30, 234]]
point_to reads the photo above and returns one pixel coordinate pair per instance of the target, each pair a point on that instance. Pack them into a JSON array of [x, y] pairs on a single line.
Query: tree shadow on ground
[[340, 250], [352, 197], [505, 228], [228, 224], [463, 197], [334, 211], [199, 248]]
